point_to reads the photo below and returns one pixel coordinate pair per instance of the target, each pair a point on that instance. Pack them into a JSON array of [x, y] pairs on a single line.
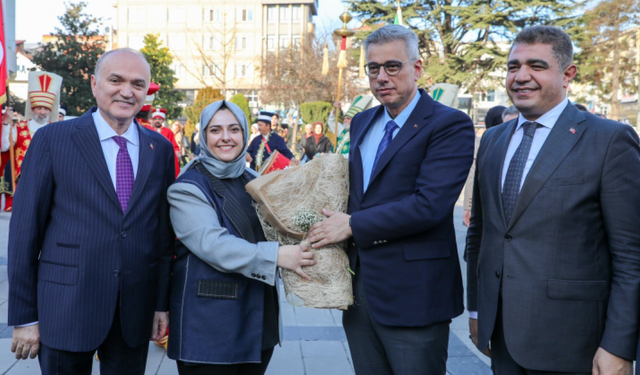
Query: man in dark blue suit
[[264, 145], [407, 164], [90, 239]]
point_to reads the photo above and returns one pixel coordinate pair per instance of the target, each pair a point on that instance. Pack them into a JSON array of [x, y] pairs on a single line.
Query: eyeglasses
[[391, 67]]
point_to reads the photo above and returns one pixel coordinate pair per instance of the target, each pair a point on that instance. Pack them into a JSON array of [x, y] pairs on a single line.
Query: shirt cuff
[[473, 315], [26, 325]]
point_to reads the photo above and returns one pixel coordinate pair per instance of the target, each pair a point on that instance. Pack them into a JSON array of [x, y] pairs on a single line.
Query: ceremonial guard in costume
[[261, 148], [42, 108], [360, 103], [157, 121], [143, 115]]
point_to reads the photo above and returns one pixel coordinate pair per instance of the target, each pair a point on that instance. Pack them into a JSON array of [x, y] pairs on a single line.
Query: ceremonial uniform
[[44, 89], [168, 134], [263, 146]]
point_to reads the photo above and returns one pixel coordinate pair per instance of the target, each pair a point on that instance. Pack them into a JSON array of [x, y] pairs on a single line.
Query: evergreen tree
[[241, 101], [73, 55], [460, 39], [160, 60], [205, 97]]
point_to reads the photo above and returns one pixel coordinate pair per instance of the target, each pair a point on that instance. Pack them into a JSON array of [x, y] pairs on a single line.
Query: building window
[[295, 41], [135, 41], [243, 70], [284, 41], [241, 42], [211, 42], [244, 15], [178, 70], [491, 96], [272, 14], [297, 13], [271, 42], [137, 15], [176, 14], [211, 70], [212, 15], [176, 42], [285, 14]]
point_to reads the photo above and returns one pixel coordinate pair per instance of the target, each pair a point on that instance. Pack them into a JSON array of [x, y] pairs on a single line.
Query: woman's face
[[224, 136], [318, 129]]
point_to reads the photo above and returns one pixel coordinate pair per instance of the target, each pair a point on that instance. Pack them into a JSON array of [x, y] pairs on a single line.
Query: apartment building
[[217, 43]]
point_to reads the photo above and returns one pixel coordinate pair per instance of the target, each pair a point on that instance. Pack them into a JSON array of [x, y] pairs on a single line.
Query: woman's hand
[[294, 257]]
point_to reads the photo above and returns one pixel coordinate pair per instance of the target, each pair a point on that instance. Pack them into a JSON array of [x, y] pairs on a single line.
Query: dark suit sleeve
[[442, 173], [167, 237], [31, 206], [253, 146], [620, 202], [281, 146], [474, 237]]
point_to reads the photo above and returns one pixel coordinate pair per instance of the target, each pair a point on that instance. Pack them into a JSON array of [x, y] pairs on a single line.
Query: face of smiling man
[[120, 88], [535, 81]]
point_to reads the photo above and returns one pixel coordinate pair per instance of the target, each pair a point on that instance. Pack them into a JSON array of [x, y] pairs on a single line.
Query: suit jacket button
[[353, 243], [123, 234], [263, 277], [507, 238], [498, 274], [116, 273]]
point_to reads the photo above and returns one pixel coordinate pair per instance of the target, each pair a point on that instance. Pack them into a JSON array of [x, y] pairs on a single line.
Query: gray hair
[[391, 33], [104, 56], [511, 110], [558, 39]]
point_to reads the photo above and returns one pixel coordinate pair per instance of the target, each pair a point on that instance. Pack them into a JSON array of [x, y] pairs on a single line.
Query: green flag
[[398, 19]]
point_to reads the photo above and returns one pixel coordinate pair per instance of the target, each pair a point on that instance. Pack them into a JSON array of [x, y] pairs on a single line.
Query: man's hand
[[334, 229], [605, 363], [26, 340], [294, 161], [248, 158], [336, 104], [466, 218], [8, 116], [160, 325], [473, 335]]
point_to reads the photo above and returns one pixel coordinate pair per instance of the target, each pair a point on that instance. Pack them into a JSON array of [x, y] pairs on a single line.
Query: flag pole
[[342, 60]]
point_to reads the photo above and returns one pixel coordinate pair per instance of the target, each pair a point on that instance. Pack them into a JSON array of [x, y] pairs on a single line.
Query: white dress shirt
[[371, 141], [110, 148], [548, 120]]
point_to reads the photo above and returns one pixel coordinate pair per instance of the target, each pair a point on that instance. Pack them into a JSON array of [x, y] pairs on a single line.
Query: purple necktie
[[384, 143], [124, 173]]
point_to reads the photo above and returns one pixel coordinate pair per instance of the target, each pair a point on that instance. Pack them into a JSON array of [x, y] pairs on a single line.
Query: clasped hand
[[334, 229]]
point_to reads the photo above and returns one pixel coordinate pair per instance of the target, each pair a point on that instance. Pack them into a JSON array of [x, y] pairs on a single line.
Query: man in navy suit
[[90, 238], [408, 161]]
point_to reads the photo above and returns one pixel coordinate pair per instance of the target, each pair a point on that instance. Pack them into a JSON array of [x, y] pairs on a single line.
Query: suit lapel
[[85, 137], [563, 137], [356, 161], [415, 123], [145, 162]]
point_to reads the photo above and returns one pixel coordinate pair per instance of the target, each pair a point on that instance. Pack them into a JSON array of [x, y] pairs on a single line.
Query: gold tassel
[[342, 59], [325, 61], [361, 72]]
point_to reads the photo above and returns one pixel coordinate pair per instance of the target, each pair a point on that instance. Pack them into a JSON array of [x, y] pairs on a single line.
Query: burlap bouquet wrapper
[[288, 197]]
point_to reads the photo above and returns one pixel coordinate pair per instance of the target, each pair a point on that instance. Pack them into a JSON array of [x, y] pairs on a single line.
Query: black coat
[[311, 148]]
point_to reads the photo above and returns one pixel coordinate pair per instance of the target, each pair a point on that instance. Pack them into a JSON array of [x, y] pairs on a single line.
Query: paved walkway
[[314, 341]]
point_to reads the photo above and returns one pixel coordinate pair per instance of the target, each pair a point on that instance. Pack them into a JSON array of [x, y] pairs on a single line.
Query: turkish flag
[[3, 60]]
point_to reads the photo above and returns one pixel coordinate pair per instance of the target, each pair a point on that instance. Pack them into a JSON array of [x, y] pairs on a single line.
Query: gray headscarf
[[219, 168]]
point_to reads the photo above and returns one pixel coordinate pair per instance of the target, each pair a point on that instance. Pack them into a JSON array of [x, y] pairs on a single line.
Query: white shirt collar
[[105, 131], [549, 119]]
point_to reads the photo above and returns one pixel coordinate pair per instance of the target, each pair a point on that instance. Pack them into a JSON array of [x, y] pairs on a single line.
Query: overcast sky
[[35, 18]]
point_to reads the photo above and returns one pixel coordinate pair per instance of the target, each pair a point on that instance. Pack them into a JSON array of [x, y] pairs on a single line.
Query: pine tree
[[73, 55], [160, 60]]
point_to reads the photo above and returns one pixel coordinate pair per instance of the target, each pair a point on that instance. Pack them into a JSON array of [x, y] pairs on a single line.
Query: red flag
[[3, 60]]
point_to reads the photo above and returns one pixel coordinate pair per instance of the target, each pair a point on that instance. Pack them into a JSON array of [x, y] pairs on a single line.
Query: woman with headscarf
[[317, 143], [224, 304]]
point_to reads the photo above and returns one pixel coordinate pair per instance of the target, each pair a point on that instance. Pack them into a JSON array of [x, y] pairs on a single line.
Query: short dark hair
[[558, 39]]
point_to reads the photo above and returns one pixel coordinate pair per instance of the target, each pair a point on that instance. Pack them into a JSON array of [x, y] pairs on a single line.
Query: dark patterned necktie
[[124, 173], [511, 187], [384, 143]]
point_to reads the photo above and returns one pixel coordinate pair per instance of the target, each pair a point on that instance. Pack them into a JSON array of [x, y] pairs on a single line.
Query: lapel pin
[[415, 126], [151, 145], [572, 130]]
